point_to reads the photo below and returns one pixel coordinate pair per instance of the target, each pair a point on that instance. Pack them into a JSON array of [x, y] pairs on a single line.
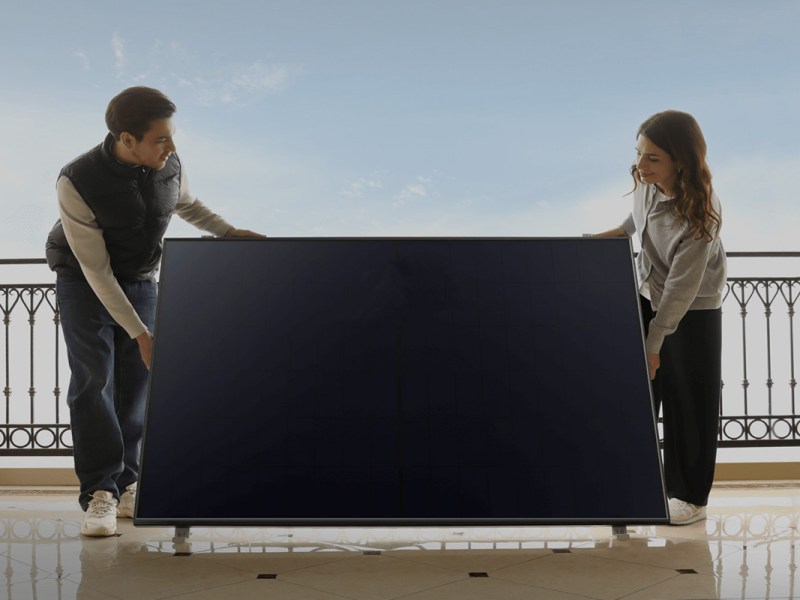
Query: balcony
[[748, 547]]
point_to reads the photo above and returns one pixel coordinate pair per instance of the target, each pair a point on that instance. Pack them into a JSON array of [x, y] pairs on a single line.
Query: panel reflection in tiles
[[748, 548]]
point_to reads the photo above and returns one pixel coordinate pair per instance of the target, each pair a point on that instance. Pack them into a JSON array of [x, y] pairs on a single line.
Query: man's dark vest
[[132, 205]]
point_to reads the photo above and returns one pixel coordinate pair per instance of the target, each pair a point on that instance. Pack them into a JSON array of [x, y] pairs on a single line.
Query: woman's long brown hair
[[679, 135]]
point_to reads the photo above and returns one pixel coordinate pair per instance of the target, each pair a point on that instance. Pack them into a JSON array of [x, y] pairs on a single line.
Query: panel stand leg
[[181, 543], [620, 532]]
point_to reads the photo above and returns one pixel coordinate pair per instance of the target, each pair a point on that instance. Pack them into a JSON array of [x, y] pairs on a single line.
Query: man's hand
[[653, 363], [145, 341], [233, 232]]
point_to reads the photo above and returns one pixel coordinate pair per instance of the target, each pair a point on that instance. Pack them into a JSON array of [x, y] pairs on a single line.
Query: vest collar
[[118, 168]]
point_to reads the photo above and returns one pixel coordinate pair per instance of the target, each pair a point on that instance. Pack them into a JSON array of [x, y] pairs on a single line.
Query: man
[[115, 203]]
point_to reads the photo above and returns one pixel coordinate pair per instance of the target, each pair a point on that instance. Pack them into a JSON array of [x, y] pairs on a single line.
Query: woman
[[681, 271]]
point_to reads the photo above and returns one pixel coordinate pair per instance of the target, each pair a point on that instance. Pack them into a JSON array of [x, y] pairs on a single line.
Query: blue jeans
[[108, 385]]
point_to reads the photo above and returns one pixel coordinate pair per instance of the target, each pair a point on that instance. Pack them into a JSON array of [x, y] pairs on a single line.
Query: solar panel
[[411, 381]]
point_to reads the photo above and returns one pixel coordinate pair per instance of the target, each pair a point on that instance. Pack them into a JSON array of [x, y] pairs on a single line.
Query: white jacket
[[676, 272]]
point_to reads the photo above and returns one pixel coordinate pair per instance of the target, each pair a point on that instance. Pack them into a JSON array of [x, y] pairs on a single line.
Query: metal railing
[[759, 403], [35, 423]]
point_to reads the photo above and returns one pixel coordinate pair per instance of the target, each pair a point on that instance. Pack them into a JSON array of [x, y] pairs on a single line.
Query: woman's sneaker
[[127, 501], [685, 513], [100, 518]]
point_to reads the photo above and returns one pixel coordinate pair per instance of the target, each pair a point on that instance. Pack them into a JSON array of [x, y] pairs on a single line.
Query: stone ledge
[[726, 473]]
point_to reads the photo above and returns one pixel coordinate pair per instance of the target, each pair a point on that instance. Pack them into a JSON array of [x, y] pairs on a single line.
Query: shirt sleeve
[[86, 241], [628, 225], [194, 212], [685, 276]]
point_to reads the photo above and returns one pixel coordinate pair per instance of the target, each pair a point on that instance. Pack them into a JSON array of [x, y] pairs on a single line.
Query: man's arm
[[87, 244], [191, 210]]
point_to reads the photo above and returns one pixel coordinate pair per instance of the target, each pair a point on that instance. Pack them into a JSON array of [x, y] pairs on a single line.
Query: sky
[[418, 118]]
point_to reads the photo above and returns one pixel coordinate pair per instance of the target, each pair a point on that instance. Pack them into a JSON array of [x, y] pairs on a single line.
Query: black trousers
[[687, 389]]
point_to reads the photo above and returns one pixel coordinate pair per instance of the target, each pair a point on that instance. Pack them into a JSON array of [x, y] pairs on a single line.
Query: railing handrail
[[767, 254], [23, 261]]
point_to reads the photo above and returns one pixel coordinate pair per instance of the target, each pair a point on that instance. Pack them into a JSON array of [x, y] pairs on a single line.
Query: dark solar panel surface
[[399, 381]]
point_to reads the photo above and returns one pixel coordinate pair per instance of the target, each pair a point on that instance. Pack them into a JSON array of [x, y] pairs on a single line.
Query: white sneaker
[[127, 501], [685, 513], [100, 518]]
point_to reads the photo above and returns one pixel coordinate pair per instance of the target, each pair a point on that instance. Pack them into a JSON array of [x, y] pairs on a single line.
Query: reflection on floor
[[748, 548]]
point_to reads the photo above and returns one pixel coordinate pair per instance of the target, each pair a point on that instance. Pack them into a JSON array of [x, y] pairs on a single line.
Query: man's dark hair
[[135, 108]]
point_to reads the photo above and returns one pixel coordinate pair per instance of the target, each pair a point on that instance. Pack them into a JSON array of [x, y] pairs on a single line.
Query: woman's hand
[[611, 233]]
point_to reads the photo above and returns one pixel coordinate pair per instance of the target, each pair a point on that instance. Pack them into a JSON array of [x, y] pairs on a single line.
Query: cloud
[[421, 188], [259, 77], [363, 185], [415, 189], [211, 82], [82, 56], [382, 194], [247, 84], [118, 46]]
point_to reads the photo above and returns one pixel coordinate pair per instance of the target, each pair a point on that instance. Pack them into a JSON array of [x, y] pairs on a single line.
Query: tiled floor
[[748, 548]]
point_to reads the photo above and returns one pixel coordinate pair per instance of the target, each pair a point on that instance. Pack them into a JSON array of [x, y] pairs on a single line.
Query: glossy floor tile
[[749, 547]]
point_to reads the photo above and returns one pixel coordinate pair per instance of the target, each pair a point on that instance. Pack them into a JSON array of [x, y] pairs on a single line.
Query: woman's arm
[[627, 229]]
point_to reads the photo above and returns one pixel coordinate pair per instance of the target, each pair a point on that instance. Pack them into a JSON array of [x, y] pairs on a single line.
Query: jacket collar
[[118, 168]]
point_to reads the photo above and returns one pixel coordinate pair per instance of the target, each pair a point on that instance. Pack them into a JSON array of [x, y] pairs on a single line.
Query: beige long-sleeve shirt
[[675, 271], [87, 244]]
